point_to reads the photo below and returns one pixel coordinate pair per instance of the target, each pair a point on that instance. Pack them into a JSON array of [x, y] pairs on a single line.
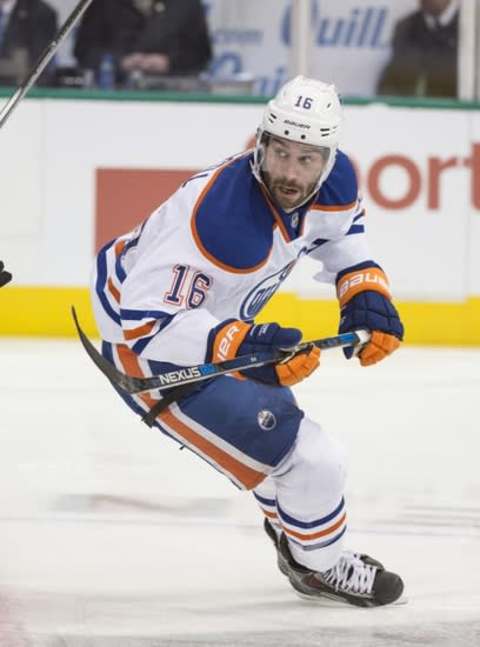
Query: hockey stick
[[43, 61], [199, 372]]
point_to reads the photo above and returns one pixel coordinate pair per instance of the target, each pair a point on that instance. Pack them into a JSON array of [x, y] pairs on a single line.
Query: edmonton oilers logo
[[266, 420], [257, 298]]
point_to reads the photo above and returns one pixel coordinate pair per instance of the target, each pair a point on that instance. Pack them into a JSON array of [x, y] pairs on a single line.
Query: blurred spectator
[[27, 27], [424, 58], [162, 37]]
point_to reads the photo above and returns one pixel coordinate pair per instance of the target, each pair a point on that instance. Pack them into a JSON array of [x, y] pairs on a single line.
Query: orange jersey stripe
[[316, 535], [334, 207], [113, 290], [119, 247], [249, 477], [140, 331]]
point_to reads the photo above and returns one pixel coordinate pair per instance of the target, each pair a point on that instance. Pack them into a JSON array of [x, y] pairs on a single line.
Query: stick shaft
[[200, 372], [43, 61], [191, 374]]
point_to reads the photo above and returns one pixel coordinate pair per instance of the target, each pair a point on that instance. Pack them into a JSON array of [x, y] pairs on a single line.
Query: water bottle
[[106, 72]]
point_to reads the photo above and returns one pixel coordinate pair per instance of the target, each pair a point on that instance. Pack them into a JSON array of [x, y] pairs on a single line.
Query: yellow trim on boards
[[45, 311], [449, 324]]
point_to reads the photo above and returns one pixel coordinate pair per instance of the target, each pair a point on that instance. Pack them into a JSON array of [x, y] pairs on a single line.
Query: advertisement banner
[[349, 44], [419, 172]]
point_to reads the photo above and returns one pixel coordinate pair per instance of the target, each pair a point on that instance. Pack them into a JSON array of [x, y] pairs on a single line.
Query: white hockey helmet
[[305, 111]]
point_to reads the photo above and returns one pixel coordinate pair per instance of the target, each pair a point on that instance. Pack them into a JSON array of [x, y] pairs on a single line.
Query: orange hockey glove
[[299, 367], [365, 302], [379, 346], [233, 338]]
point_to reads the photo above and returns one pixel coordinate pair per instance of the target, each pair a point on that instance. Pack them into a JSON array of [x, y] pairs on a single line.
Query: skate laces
[[351, 575]]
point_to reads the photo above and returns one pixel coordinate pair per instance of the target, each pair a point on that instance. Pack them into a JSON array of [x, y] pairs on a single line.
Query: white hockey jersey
[[217, 249]]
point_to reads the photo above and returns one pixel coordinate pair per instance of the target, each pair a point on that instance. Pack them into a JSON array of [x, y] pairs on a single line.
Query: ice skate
[[355, 579]]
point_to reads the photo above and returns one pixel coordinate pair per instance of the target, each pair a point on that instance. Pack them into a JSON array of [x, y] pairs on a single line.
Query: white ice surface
[[112, 537]]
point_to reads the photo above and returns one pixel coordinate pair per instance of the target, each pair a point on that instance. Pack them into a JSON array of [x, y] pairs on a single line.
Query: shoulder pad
[[231, 223], [340, 189]]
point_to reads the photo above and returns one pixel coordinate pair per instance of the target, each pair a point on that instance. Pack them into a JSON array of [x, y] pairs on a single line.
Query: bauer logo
[[257, 298]]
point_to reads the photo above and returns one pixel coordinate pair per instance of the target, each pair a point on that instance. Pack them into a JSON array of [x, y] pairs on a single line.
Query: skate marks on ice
[[159, 508], [114, 623], [427, 636], [179, 584], [434, 520], [111, 537]]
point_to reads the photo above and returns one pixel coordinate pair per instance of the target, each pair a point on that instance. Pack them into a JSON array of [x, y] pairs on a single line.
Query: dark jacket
[[422, 57], [176, 28], [32, 26]]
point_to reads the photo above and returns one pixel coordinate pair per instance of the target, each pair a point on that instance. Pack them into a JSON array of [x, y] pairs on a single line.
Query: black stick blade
[[117, 378]]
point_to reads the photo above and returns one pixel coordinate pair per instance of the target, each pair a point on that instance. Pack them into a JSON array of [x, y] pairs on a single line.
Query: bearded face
[[291, 170]]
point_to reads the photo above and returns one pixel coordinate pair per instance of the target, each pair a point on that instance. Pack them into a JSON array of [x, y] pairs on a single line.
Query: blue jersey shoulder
[[340, 188], [233, 224]]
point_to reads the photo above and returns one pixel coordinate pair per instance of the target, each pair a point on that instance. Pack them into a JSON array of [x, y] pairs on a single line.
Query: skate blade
[[336, 603]]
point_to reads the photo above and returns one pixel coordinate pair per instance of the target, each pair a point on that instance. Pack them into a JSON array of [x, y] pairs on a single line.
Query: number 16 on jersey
[[189, 287]]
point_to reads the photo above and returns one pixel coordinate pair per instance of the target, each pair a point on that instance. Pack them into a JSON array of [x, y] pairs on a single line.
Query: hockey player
[[185, 287], [5, 277]]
